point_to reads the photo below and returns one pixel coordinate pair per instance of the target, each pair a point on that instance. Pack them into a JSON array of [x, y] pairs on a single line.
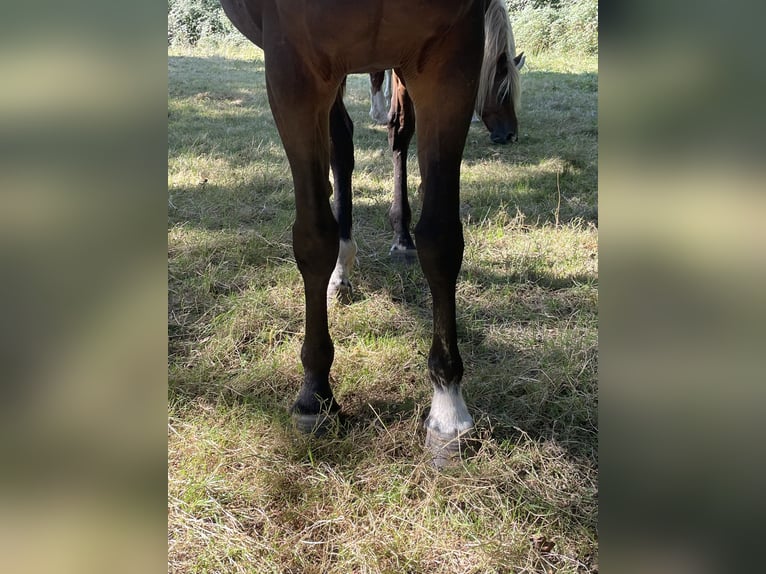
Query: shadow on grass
[[552, 170], [530, 389], [544, 387]]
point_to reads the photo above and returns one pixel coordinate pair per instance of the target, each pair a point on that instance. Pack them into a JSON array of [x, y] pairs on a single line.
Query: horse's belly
[[367, 35]]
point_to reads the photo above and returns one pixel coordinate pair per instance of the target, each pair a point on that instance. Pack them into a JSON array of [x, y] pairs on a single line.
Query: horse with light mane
[[498, 101], [497, 104]]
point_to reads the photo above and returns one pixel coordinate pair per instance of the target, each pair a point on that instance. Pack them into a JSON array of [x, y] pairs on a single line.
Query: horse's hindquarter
[[356, 36], [247, 17]]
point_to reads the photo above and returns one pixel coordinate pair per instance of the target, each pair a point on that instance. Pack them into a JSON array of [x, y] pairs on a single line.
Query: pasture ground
[[245, 493]]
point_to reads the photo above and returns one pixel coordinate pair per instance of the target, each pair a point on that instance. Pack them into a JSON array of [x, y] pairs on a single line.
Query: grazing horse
[[380, 96], [436, 47], [497, 104], [498, 100]]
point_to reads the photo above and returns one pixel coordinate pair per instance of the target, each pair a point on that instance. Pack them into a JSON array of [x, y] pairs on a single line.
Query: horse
[[435, 47], [380, 100], [497, 104], [380, 96], [499, 93]]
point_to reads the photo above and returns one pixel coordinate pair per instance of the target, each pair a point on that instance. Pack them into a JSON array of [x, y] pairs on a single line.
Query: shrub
[[191, 20], [539, 25], [555, 25]]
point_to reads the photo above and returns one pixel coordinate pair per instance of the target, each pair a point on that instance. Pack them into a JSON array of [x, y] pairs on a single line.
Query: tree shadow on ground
[[523, 395], [523, 389]]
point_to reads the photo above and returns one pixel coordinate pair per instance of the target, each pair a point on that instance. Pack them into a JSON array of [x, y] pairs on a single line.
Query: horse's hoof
[[403, 253], [341, 291], [445, 448], [381, 120], [317, 424]]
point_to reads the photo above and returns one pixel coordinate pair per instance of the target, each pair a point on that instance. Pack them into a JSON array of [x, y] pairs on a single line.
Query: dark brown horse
[[497, 104], [436, 47]]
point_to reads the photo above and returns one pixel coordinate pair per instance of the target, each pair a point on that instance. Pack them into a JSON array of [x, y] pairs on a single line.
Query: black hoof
[[317, 425]]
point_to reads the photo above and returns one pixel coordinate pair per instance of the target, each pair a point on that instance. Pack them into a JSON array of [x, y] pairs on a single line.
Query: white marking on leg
[[379, 107], [340, 284], [449, 415], [387, 85]]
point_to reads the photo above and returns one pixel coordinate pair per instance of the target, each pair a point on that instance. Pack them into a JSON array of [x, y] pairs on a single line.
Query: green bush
[[191, 20], [555, 25], [539, 25]]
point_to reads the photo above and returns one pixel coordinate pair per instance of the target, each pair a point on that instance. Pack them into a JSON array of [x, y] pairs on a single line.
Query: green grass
[[246, 494]]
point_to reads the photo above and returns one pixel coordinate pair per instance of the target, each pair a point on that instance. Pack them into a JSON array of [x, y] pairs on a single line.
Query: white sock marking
[[379, 108], [346, 258], [449, 413]]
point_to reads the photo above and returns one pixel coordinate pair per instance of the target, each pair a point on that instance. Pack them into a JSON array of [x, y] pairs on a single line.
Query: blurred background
[[682, 304], [82, 222]]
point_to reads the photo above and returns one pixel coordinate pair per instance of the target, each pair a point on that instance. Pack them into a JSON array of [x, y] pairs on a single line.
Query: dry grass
[[246, 494]]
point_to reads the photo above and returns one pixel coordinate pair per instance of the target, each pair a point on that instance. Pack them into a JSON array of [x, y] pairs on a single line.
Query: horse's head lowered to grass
[[499, 96]]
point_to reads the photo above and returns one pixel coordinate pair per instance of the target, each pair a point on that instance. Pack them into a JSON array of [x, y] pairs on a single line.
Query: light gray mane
[[498, 38]]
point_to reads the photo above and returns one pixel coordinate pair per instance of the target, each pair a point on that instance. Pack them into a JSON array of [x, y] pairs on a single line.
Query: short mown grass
[[246, 493]]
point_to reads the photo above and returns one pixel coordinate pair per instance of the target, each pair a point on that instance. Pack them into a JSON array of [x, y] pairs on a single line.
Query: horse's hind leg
[[301, 105], [342, 163], [401, 127], [379, 97]]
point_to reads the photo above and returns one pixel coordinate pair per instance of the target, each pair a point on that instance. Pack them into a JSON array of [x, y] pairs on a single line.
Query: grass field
[[245, 493]]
